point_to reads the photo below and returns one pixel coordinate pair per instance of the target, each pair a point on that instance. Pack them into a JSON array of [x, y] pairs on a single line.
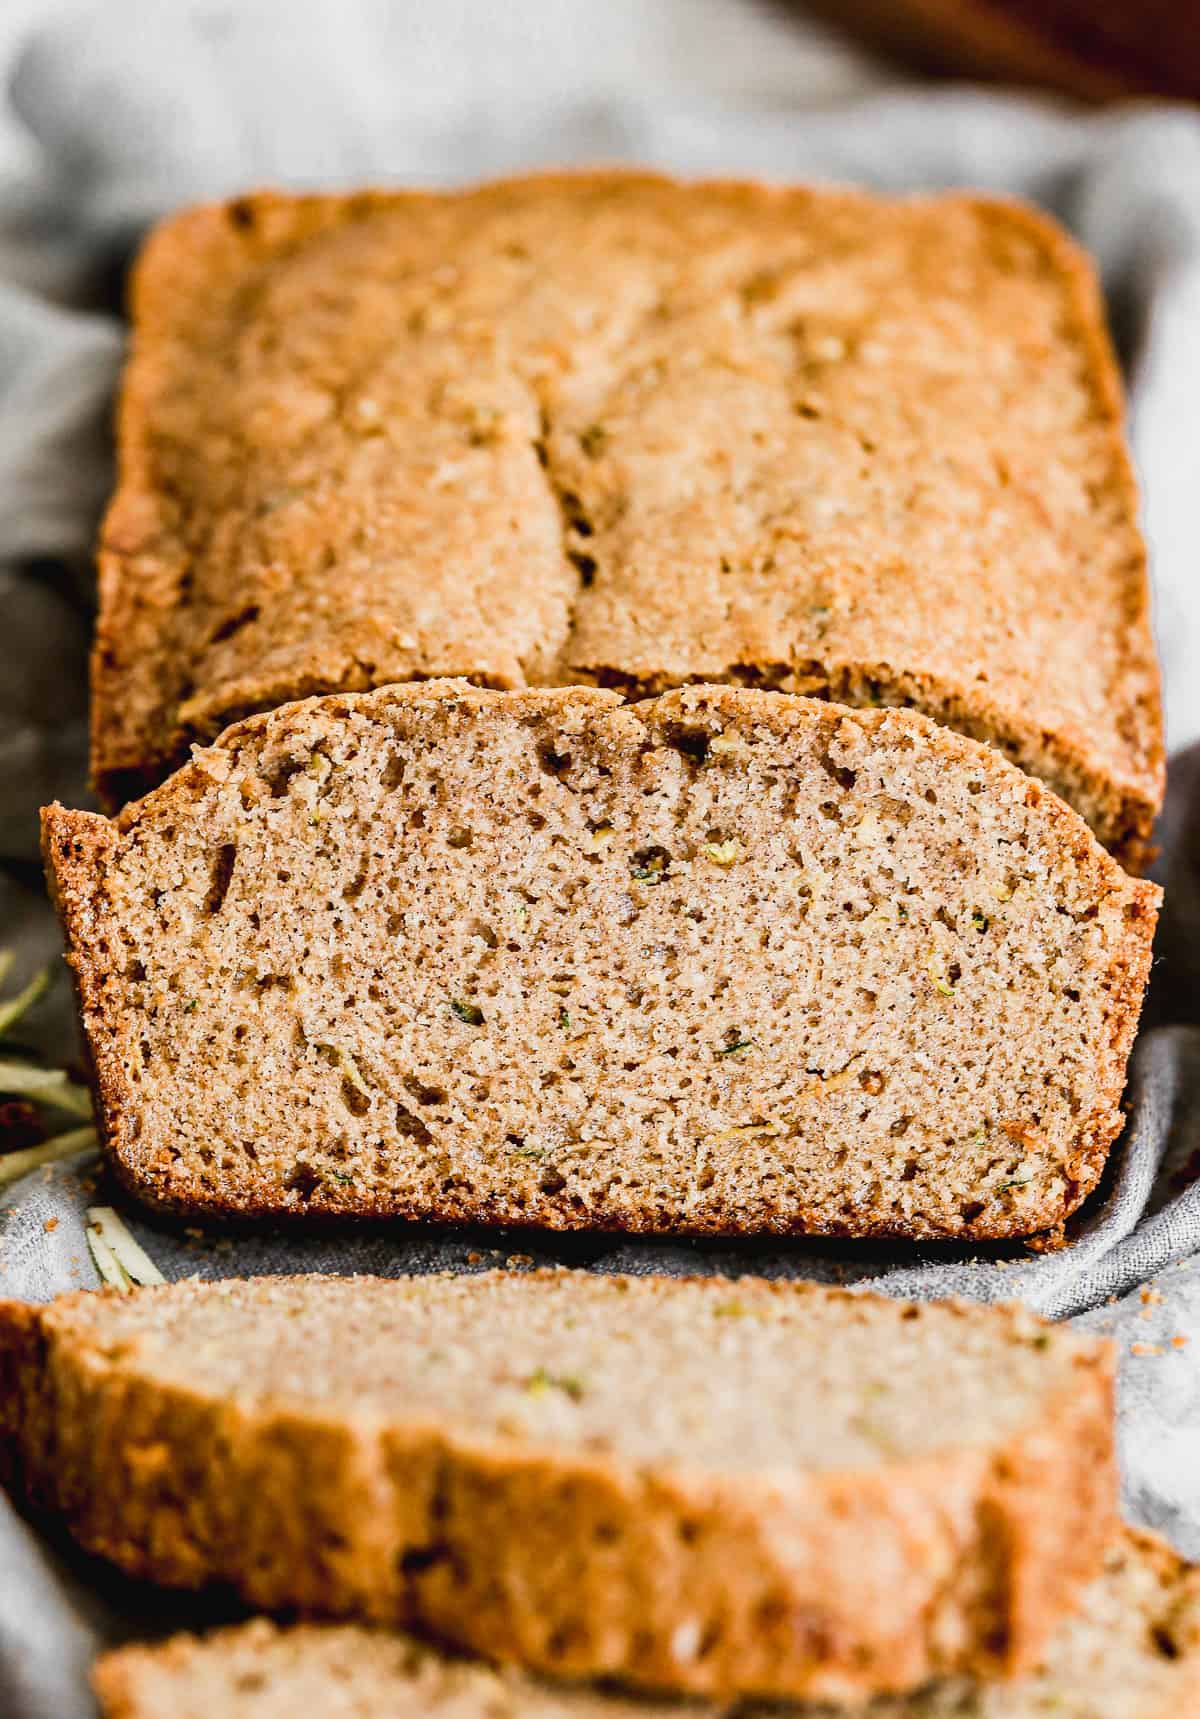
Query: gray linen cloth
[[133, 110]]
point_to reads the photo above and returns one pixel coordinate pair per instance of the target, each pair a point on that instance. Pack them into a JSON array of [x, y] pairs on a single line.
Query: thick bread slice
[[701, 1485], [727, 961], [615, 428], [1133, 1653]]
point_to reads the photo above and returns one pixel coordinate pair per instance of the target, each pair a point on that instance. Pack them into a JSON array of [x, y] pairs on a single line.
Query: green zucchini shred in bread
[[723, 962], [614, 428], [1133, 1653], [821, 1494]]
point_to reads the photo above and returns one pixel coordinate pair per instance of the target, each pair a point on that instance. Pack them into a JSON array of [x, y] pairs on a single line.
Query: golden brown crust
[[1133, 1652], [75, 849], [831, 1584], [78, 846], [162, 541]]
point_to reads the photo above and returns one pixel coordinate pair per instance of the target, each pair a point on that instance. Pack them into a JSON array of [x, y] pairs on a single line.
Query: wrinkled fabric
[[131, 110]]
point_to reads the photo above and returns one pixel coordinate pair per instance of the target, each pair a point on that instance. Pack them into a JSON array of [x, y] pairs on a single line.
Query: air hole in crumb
[[222, 875], [241, 215], [552, 761], [1164, 1642], [234, 623], [393, 770], [650, 865], [303, 1180], [356, 1102], [552, 1182], [460, 837], [584, 565], [840, 774], [693, 743], [576, 517], [419, 1558], [357, 883], [279, 776], [422, 1093], [411, 1125]]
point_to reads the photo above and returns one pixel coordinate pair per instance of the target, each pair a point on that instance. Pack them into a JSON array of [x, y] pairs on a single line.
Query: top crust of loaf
[[618, 428], [1133, 1653]]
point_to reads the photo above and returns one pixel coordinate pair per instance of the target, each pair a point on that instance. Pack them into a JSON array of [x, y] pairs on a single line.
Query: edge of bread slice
[[590, 1476], [724, 962], [1133, 1652]]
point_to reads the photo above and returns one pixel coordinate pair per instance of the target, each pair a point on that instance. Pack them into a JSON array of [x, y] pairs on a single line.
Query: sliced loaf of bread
[[726, 961], [610, 427], [698, 1485], [1132, 1653]]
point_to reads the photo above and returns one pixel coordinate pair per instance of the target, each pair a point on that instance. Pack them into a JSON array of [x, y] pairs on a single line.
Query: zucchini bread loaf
[[1133, 1653], [611, 428], [723, 962], [702, 1485]]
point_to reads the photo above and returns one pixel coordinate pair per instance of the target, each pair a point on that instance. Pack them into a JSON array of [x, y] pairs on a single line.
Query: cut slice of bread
[[610, 427], [1132, 1653], [692, 1484], [727, 961]]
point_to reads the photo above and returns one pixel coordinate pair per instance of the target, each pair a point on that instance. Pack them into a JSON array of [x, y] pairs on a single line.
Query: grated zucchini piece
[[120, 1260]]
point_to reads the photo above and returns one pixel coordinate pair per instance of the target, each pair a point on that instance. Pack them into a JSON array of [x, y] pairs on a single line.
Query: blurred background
[[1089, 50]]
